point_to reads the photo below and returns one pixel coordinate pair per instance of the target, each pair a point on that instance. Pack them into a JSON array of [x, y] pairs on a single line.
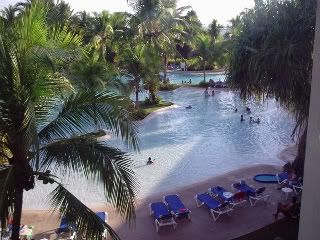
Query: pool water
[[196, 77], [191, 145]]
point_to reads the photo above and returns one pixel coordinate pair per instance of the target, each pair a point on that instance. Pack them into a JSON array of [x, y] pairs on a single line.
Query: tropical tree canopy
[[47, 126], [272, 56]]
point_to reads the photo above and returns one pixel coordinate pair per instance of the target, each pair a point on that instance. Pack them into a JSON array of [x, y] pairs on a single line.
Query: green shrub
[[203, 84], [168, 87], [147, 101], [138, 114]]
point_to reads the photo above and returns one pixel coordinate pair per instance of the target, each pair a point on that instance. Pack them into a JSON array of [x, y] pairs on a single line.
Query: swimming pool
[[191, 145], [196, 77]]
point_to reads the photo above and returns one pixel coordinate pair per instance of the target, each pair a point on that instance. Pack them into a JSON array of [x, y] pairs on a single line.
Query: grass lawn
[[145, 110]]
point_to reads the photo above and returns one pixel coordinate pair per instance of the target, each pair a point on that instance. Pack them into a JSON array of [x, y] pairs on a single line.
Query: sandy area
[[202, 226]]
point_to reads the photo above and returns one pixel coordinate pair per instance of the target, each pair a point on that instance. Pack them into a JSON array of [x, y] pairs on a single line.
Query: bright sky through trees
[[222, 10]]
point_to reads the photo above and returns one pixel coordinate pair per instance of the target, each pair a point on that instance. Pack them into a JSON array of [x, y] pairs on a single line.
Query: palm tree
[[91, 72], [45, 125], [134, 66], [214, 29], [272, 56], [9, 14], [157, 26], [204, 51]]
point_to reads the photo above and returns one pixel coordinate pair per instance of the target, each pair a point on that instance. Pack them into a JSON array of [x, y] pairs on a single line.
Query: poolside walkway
[[202, 226]]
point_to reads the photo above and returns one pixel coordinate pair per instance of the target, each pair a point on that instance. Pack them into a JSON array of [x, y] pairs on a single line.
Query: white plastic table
[[228, 194], [286, 191]]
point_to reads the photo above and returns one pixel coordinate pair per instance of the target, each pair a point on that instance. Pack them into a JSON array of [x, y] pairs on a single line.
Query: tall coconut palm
[[45, 125], [272, 56], [214, 29], [204, 51], [134, 66]]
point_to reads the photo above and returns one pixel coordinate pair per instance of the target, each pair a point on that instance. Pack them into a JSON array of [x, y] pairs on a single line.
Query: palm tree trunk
[[204, 71], [137, 91], [165, 68], [153, 97], [18, 199], [137, 97]]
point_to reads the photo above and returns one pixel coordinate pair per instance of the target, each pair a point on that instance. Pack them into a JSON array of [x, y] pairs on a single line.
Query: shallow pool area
[[191, 145], [196, 77]]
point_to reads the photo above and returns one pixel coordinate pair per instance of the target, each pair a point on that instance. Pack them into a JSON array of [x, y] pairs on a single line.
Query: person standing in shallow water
[[206, 93], [241, 119], [149, 161]]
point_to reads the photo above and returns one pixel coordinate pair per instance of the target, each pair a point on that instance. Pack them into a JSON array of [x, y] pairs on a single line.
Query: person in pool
[[251, 120], [206, 93], [190, 81], [241, 119], [149, 161], [257, 121], [189, 107], [236, 110], [212, 93]]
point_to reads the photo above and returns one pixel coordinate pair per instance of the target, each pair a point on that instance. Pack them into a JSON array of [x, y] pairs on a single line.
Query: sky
[[207, 10]]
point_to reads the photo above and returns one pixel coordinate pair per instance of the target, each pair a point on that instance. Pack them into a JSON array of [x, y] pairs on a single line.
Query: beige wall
[[310, 211]]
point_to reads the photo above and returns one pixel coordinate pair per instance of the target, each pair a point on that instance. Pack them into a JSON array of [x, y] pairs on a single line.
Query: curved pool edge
[[246, 172]]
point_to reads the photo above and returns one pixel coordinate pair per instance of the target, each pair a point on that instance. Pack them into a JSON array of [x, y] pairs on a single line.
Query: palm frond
[[88, 224], [98, 162], [85, 109]]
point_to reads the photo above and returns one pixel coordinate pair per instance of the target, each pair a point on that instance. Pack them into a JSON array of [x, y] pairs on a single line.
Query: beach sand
[[202, 226]]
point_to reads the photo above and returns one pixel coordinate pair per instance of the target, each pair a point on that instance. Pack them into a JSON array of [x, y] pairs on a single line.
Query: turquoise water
[[195, 77], [191, 145]]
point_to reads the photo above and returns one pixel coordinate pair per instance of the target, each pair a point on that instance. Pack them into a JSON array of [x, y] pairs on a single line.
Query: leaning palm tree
[[46, 126]]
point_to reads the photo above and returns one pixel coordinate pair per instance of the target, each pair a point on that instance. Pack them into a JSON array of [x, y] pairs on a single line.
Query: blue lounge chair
[[226, 196], [243, 187], [66, 227], [104, 217], [254, 195], [162, 216], [282, 177], [176, 206], [216, 208]]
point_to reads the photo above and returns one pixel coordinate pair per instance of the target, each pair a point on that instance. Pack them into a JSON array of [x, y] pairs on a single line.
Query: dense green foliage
[[49, 122], [272, 57], [60, 84]]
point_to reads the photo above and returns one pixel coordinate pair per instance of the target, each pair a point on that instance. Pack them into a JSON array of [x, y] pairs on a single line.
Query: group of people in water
[[251, 120], [186, 82]]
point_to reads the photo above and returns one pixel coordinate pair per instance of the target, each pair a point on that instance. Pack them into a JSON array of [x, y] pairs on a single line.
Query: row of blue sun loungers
[[166, 212]]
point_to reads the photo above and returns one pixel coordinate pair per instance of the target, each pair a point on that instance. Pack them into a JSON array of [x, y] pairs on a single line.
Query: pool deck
[[202, 226]]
